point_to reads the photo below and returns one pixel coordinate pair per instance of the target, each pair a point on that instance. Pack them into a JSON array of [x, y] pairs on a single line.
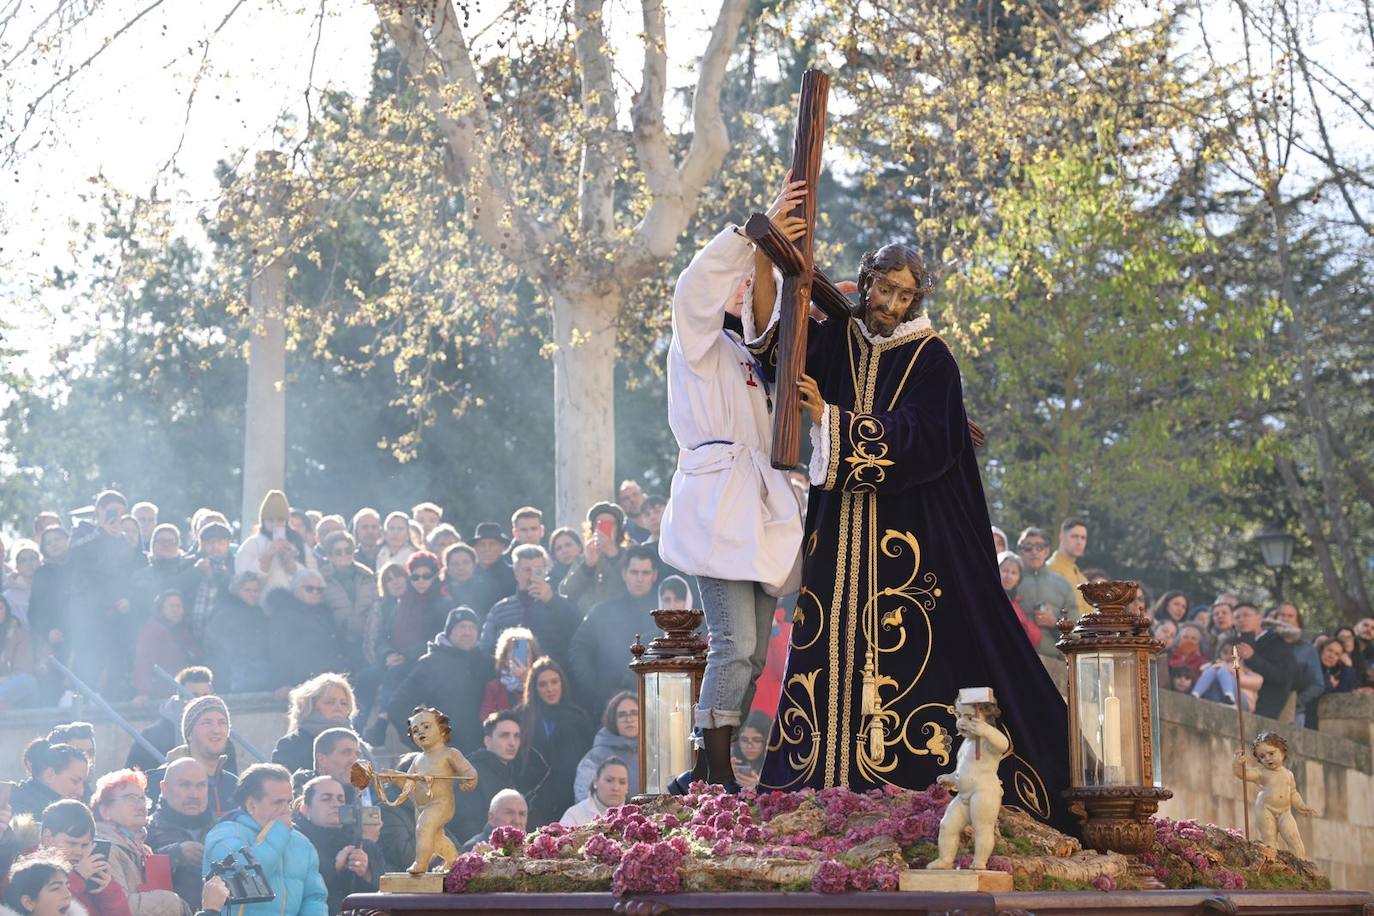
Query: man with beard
[[901, 602], [165, 734], [597, 655], [179, 824], [205, 729]]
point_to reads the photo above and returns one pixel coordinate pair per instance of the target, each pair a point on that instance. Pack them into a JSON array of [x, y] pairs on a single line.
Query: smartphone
[[372, 816], [521, 652], [605, 526], [5, 789], [278, 533], [102, 848]]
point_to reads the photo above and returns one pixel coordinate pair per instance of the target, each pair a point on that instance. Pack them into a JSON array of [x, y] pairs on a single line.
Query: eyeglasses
[[312, 588], [758, 740], [127, 798], [1033, 545], [627, 714], [421, 577]]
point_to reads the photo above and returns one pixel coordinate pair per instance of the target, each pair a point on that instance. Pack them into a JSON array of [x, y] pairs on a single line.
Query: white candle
[[677, 742], [1111, 731]]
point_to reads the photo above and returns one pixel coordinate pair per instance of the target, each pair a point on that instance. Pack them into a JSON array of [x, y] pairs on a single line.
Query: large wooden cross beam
[[797, 264]]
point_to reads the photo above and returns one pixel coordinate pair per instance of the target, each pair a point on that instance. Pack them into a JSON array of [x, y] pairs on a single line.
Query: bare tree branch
[[596, 176], [452, 92], [650, 133], [656, 235], [12, 145]]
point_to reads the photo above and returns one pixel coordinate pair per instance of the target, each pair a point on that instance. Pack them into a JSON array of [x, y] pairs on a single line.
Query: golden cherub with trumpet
[[428, 782]]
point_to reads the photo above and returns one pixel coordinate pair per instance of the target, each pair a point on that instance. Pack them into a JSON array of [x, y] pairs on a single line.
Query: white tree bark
[[264, 428], [586, 294]]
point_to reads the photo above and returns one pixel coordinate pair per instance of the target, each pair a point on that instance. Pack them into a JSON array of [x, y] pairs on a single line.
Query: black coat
[[235, 648], [302, 640], [152, 580], [452, 680], [599, 657], [52, 603], [562, 734], [1273, 660], [528, 774], [167, 828], [31, 797], [328, 841], [295, 750]]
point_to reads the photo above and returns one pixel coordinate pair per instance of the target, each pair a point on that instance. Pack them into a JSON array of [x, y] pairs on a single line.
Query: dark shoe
[[720, 764]]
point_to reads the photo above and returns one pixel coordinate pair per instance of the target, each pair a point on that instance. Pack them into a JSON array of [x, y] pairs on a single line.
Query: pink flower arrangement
[[464, 869], [603, 849], [648, 868], [832, 877], [1103, 883], [507, 839]]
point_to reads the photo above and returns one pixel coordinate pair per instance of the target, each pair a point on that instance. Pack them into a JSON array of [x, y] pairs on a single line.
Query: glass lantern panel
[[668, 719], [1157, 776], [1108, 697]]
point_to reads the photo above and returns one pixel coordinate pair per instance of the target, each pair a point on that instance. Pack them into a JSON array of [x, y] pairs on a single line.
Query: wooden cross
[[801, 282]]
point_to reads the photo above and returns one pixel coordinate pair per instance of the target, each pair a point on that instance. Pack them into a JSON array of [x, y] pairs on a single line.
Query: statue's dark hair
[[885, 260]]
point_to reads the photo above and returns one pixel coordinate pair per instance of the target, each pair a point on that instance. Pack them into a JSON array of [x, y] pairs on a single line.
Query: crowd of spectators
[[519, 635], [1227, 650]]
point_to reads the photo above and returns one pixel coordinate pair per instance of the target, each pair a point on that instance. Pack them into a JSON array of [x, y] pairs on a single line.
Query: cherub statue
[[979, 791], [428, 782], [1278, 794]]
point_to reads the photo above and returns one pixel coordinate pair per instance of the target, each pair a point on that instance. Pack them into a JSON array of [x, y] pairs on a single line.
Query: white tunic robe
[[731, 515]]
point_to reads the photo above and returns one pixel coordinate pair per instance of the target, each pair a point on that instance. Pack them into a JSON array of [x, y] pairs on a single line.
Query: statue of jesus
[[901, 601]]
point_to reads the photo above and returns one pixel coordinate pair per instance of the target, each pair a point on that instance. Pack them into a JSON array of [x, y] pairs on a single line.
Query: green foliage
[[1100, 357]]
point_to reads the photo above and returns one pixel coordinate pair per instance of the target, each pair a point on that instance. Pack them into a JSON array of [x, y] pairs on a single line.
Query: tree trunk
[[584, 331], [264, 426]]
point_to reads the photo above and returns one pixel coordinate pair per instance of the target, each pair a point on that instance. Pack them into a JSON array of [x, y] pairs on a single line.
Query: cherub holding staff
[[428, 782]]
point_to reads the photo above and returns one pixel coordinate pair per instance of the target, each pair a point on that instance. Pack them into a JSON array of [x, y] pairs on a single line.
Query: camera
[[246, 880]]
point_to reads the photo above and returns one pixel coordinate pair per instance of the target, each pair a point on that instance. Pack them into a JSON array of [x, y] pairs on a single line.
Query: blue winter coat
[[288, 858]]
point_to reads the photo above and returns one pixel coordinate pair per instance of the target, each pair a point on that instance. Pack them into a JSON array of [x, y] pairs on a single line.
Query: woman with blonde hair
[[325, 701]]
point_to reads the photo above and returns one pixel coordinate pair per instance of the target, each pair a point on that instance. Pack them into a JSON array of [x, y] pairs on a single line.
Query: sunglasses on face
[[421, 577]]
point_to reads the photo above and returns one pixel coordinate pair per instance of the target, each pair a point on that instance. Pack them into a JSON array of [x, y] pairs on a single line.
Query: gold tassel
[[875, 740], [869, 703]]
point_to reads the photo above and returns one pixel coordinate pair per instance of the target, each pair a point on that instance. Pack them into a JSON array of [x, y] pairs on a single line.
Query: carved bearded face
[[892, 286]]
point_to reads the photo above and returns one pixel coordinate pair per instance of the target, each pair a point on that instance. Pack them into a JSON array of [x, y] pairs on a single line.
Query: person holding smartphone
[[598, 575], [68, 829], [732, 520]]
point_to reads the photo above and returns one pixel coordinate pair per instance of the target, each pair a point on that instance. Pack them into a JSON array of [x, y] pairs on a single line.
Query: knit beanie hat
[[197, 708], [604, 508], [457, 616], [274, 505]]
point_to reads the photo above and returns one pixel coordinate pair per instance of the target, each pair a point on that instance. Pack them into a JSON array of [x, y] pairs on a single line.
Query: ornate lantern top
[[679, 648], [1112, 625]]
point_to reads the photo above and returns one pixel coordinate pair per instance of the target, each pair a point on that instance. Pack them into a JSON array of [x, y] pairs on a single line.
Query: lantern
[[1114, 758], [669, 670]]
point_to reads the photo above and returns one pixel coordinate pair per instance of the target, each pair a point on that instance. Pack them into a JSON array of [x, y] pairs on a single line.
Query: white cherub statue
[[979, 792], [1278, 795]]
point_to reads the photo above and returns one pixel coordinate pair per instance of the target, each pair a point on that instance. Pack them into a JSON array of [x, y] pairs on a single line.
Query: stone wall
[[1334, 767]]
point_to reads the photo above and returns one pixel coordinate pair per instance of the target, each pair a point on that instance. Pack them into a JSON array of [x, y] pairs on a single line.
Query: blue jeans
[[1218, 684], [17, 689], [739, 618]]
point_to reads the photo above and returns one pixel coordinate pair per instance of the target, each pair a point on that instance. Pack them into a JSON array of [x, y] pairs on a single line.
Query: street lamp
[[1114, 755], [1276, 546], [669, 672]]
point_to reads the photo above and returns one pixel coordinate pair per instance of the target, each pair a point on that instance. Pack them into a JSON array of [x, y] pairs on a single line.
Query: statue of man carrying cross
[[900, 602]]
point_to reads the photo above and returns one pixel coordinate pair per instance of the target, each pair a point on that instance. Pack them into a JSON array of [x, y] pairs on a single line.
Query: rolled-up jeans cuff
[[718, 718]]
